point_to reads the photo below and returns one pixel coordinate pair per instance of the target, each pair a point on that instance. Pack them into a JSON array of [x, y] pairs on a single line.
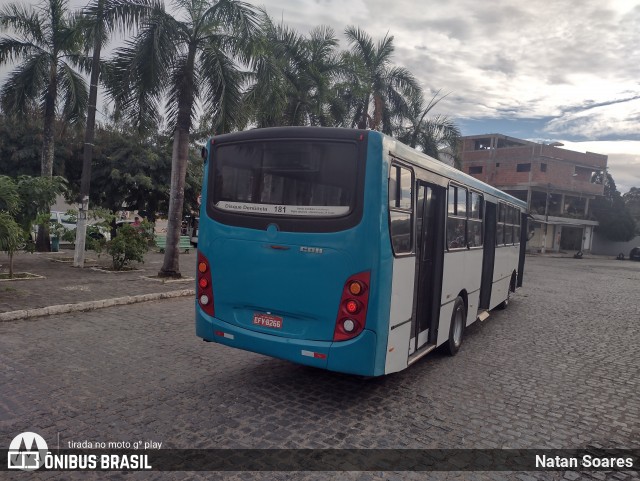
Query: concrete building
[[557, 184]]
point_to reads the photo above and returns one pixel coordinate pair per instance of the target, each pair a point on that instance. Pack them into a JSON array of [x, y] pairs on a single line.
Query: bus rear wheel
[[456, 329], [504, 304]]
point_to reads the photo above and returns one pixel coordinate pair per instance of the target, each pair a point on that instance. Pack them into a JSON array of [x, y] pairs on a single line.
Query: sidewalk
[[69, 288]]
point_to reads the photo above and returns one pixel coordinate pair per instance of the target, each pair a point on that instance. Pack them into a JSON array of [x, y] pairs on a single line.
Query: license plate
[[267, 320]]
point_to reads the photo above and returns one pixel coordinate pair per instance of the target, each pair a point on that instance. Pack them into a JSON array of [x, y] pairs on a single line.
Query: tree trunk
[[11, 265], [43, 243], [89, 135], [378, 107], [179, 159]]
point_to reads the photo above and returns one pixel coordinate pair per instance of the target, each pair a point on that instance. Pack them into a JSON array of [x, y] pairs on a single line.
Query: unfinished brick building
[[557, 184]]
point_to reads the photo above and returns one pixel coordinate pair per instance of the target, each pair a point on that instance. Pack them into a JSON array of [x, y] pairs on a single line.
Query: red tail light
[[352, 313], [205, 290]]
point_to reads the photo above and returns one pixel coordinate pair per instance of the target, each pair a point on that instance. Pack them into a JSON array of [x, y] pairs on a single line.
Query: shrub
[[130, 244]]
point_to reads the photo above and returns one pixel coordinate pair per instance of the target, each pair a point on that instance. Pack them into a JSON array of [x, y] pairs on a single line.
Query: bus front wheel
[[456, 330]]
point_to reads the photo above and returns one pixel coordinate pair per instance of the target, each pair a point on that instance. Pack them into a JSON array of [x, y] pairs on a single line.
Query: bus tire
[[456, 329], [504, 304]]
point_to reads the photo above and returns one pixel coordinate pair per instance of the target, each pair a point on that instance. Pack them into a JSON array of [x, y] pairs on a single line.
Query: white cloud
[[506, 59]]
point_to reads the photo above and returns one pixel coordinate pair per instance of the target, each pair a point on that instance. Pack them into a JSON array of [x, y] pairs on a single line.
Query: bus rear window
[[285, 178]]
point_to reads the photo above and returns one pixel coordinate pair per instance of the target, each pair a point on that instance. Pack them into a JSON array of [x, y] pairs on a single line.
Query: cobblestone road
[[558, 369]]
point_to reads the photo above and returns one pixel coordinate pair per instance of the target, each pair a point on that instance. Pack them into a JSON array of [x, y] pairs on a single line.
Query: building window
[[476, 169], [543, 167], [523, 168], [497, 164], [482, 144]]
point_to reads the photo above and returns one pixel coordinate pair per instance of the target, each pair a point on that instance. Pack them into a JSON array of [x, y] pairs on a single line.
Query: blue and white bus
[[347, 250]]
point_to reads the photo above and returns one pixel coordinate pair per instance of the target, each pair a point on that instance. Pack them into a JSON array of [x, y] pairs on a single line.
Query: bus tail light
[[204, 288], [352, 313]]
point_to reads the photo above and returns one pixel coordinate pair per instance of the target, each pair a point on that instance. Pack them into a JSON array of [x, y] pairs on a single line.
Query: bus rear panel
[[291, 241]]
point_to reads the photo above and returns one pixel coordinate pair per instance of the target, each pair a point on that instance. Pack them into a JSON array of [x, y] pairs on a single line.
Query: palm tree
[[375, 84], [433, 136], [101, 18], [295, 77], [48, 43], [193, 56]]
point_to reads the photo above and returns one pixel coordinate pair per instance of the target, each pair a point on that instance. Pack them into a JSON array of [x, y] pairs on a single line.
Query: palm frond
[[183, 91], [384, 50], [361, 45], [122, 15], [223, 91], [74, 91], [239, 18], [25, 21], [140, 71], [25, 84], [12, 49], [9, 198]]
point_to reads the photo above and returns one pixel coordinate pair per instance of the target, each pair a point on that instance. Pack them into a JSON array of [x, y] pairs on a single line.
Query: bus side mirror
[[204, 153]]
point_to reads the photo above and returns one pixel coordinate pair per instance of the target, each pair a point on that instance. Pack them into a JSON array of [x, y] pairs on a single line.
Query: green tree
[[632, 203], [134, 171], [11, 235], [431, 135], [130, 244], [376, 91], [22, 202], [193, 55], [100, 19], [294, 79], [614, 219], [48, 44]]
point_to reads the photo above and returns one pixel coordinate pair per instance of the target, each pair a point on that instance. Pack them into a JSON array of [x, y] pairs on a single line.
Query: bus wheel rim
[[457, 329]]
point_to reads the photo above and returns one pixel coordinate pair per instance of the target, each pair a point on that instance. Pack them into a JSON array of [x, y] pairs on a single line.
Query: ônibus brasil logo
[[27, 451]]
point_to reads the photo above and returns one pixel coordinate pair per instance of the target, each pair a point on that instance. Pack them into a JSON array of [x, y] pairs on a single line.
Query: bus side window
[[401, 209], [508, 225], [500, 224], [393, 186], [516, 228], [457, 218], [474, 224]]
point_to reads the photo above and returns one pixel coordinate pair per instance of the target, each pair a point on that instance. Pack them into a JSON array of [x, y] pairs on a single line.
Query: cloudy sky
[[534, 69], [543, 70]]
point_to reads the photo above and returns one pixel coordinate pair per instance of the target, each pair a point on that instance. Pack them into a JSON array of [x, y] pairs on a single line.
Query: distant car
[[634, 255], [69, 223]]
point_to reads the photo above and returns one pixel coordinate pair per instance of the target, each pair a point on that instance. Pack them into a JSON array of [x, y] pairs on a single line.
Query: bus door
[[489, 254], [429, 261]]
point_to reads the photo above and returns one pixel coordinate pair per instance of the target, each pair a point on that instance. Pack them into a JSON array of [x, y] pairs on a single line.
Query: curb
[[90, 305]]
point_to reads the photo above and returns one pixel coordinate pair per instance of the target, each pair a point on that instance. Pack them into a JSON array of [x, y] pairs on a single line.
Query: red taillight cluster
[[352, 312], [204, 291]]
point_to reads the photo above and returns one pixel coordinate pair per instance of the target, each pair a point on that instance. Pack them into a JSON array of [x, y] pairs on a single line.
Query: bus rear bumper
[[356, 356]]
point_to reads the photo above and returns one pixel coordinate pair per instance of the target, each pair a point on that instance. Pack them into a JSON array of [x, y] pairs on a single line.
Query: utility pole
[[546, 221]]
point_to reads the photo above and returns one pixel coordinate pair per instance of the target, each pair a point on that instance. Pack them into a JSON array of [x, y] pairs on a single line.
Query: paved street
[[558, 369]]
